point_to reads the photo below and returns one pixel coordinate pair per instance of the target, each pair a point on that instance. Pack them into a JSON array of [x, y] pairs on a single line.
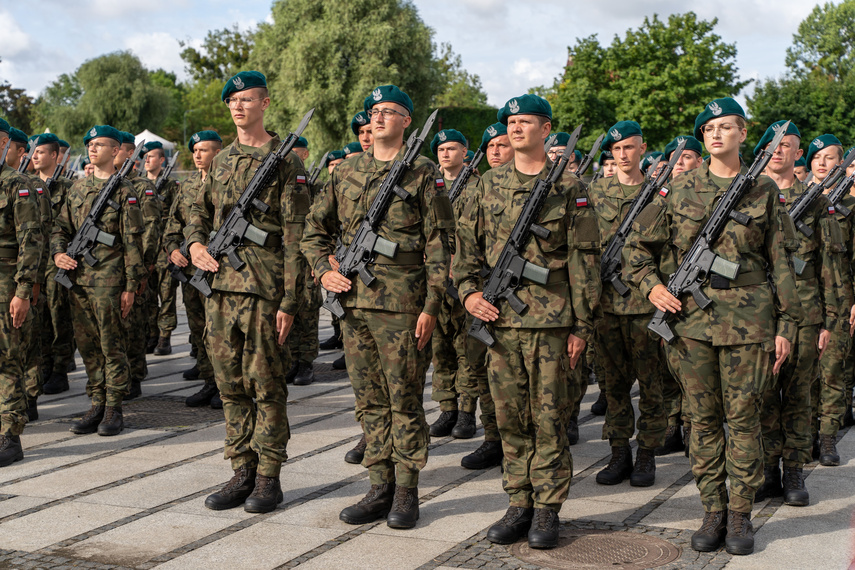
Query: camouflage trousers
[[786, 412], [672, 398], [828, 393], [627, 351], [453, 376], [100, 334], [136, 334], [387, 372], [850, 378], [724, 384], [13, 401], [477, 354], [60, 331], [34, 351], [194, 304], [528, 370], [167, 291], [241, 341], [304, 335], [577, 386]]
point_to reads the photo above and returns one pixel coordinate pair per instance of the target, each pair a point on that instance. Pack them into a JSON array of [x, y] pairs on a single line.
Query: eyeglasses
[[387, 113], [234, 101], [94, 145], [724, 129]]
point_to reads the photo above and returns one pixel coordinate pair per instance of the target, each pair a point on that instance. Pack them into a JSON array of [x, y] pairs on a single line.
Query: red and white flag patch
[[132, 199], [781, 199], [440, 183], [831, 210], [663, 191], [301, 179], [40, 190], [149, 191], [582, 202], [23, 192]]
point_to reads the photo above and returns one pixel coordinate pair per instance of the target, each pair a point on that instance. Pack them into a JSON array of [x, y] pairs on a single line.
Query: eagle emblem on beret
[[616, 134], [377, 94], [777, 128], [715, 109], [239, 84], [93, 132], [513, 106], [681, 140], [360, 119], [818, 143], [196, 137], [551, 140], [492, 131], [442, 136]]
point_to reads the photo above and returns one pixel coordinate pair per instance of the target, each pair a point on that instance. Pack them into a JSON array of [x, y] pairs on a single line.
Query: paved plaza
[[136, 500]]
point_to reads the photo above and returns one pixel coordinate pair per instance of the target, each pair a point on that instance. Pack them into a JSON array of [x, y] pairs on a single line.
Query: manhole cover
[[597, 549], [162, 412]]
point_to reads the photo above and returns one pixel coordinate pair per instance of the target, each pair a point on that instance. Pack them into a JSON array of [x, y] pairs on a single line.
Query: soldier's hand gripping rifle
[[88, 234], [178, 272], [164, 176], [511, 268], [26, 161], [701, 261], [841, 190], [236, 226], [589, 158], [465, 173], [316, 171], [610, 263], [366, 243]]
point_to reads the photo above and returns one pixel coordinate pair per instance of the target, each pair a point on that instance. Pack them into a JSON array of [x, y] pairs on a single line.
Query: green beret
[[469, 156], [301, 143], [84, 162], [351, 148], [802, 162], [619, 131], [203, 136], [491, 132], [127, 138], [845, 156], [715, 109], [45, 138], [650, 160], [17, 135], [334, 155], [820, 143], [556, 139], [389, 93], [772, 131], [604, 156], [527, 104], [577, 156], [691, 144], [63, 144], [4, 126], [102, 131], [447, 135], [359, 120], [243, 81], [151, 145]]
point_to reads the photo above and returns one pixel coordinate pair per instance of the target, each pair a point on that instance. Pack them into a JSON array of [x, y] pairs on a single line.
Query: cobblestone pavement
[[136, 500]]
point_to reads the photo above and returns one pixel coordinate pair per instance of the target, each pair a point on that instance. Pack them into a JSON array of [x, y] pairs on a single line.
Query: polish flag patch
[[781, 199], [132, 200], [581, 202], [23, 192], [301, 179], [831, 210], [440, 183], [663, 191], [149, 192], [40, 190]]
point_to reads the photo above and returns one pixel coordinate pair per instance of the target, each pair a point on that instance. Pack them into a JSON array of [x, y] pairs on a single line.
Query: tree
[[224, 53], [462, 89], [16, 106], [661, 75], [172, 127], [326, 55]]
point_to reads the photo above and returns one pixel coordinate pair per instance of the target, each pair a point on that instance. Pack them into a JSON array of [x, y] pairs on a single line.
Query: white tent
[[149, 136]]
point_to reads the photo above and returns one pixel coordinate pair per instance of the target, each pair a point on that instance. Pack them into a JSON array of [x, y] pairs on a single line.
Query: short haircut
[[129, 146], [159, 151], [52, 147]]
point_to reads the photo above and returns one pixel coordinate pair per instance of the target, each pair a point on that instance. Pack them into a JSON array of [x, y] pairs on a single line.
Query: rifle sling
[[742, 280], [401, 258]]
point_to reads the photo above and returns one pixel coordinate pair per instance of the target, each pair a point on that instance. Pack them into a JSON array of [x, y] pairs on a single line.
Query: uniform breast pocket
[[349, 202], [749, 237], [109, 221], [404, 213], [688, 219], [553, 220]]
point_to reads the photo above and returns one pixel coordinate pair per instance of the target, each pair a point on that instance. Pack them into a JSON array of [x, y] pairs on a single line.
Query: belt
[[8, 253], [809, 272], [742, 280], [555, 276], [273, 240], [401, 258]]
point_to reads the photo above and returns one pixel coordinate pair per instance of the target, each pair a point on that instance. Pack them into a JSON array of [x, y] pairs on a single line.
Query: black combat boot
[[673, 441], [374, 505], [444, 424], [239, 487], [32, 410], [357, 454], [217, 402], [771, 486], [56, 384], [511, 527], [644, 472], [204, 396], [828, 455], [598, 408], [405, 508], [112, 424], [136, 390], [464, 428], [292, 372], [795, 492], [191, 374], [163, 346], [266, 495], [151, 345], [543, 533], [339, 363], [305, 374], [848, 418], [572, 431], [10, 449], [90, 420], [687, 438], [72, 366], [740, 534], [334, 342], [194, 351], [619, 467], [488, 455], [712, 531]]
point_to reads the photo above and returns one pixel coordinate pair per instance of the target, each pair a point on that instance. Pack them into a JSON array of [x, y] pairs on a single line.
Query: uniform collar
[[258, 153]]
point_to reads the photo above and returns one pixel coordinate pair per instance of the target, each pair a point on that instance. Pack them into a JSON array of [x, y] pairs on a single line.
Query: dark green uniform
[[60, 345], [165, 317], [35, 352]]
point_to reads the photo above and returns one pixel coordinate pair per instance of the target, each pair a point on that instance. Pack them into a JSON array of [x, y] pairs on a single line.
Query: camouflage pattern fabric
[[303, 340], [453, 376], [13, 400], [34, 342], [672, 398], [577, 382], [164, 317]]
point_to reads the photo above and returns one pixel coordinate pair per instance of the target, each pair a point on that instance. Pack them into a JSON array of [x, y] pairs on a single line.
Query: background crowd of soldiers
[[416, 260]]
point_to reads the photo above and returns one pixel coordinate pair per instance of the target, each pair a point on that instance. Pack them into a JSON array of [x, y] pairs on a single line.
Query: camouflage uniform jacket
[[415, 280], [118, 266], [819, 285], [151, 212], [21, 236], [38, 186], [749, 314], [571, 251], [271, 271], [611, 206], [179, 218], [847, 259], [58, 194]]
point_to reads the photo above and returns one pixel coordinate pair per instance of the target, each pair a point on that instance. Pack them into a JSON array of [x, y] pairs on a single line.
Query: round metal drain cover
[[579, 549]]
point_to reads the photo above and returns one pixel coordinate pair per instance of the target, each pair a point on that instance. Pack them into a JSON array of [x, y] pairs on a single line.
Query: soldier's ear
[[407, 121], [799, 154]]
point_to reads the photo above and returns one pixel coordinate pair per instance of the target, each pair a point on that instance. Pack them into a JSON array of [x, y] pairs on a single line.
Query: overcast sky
[[512, 46]]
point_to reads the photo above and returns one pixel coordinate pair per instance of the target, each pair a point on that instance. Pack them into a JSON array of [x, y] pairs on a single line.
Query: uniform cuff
[[288, 306], [583, 331], [24, 291], [431, 308], [647, 284], [787, 330], [131, 286]]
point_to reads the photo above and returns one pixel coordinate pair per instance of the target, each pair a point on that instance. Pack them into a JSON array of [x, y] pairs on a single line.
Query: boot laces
[[543, 519], [793, 478], [373, 493], [617, 459], [402, 499], [237, 480], [738, 522], [361, 444], [827, 444], [711, 521]]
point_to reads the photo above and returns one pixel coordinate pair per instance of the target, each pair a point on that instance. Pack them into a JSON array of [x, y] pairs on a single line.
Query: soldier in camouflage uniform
[[848, 419], [388, 324], [625, 348], [529, 364], [725, 355], [21, 245], [103, 294], [204, 145], [250, 313]]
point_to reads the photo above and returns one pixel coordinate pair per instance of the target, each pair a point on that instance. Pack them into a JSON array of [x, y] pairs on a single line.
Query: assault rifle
[[176, 272], [839, 191], [71, 170], [236, 226], [465, 173], [511, 268], [366, 243], [803, 202], [22, 168], [62, 164], [316, 171], [88, 234], [610, 263], [701, 261], [589, 158], [164, 176]]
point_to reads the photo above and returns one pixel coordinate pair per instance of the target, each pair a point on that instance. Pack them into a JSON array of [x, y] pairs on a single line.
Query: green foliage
[[471, 121], [206, 111], [223, 53], [661, 75], [172, 125], [462, 88], [825, 42], [16, 107]]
